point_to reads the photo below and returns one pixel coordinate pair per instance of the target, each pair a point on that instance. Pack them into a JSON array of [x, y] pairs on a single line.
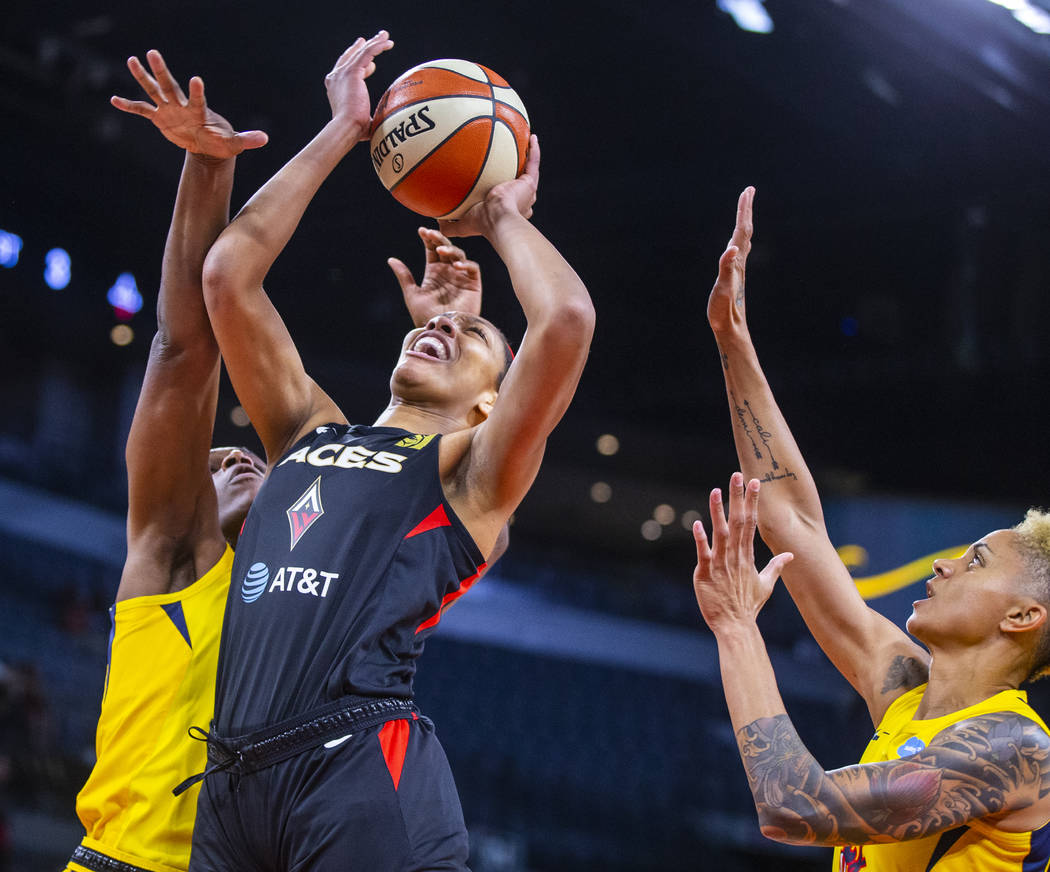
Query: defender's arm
[[173, 530], [874, 655]]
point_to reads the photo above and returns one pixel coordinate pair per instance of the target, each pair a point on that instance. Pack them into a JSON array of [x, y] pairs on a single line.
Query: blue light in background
[[10, 246], [749, 15], [849, 326], [57, 269], [124, 296]]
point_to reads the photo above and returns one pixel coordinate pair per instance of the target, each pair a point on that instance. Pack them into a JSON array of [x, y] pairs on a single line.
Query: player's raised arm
[[874, 655], [990, 765], [171, 498], [281, 400], [506, 450]]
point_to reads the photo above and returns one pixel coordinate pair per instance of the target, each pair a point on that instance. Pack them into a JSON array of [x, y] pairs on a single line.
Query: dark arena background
[[899, 294]]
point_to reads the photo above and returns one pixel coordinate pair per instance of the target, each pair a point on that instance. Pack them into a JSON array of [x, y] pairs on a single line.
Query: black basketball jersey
[[346, 560]]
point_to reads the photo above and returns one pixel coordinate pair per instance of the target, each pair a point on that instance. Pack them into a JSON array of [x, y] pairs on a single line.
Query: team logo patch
[[913, 746], [305, 511], [416, 441], [254, 584]]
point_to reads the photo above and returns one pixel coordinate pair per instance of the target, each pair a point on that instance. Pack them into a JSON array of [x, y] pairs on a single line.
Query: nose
[[942, 567], [442, 323], [233, 458]]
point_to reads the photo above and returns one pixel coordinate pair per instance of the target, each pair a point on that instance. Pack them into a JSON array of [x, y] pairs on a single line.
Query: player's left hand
[[728, 586], [185, 121], [450, 281], [516, 197]]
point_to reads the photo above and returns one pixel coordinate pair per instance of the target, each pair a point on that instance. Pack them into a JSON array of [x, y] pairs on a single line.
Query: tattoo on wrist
[[974, 768]]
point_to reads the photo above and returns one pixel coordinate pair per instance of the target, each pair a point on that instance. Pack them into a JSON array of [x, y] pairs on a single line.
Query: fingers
[[145, 80], [252, 138], [469, 268], [196, 100], [775, 567], [532, 161], [134, 107], [363, 52], [703, 552], [744, 223], [402, 273], [719, 527], [166, 83]]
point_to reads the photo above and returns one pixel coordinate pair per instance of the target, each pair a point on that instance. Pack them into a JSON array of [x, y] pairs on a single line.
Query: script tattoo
[[906, 672], [747, 419], [974, 768]]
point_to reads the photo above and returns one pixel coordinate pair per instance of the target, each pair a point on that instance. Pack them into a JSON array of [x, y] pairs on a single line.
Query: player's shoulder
[[1010, 747]]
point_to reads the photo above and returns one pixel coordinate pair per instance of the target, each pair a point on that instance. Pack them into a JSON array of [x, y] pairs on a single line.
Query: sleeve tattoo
[[977, 767]]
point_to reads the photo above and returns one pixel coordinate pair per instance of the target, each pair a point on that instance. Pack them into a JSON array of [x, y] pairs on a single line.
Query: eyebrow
[[984, 545]]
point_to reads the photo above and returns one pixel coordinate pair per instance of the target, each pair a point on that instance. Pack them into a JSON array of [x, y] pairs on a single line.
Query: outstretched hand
[[450, 281], [185, 121], [725, 306], [517, 196], [728, 586], [347, 90]]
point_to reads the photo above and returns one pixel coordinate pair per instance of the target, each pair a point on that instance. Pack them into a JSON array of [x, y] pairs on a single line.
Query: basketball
[[446, 132]]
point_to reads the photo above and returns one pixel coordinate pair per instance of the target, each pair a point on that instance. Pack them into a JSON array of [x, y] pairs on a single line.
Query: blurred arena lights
[[124, 297], [607, 444], [664, 514], [601, 492], [651, 530], [121, 335], [749, 15], [689, 518], [10, 246], [1031, 16], [239, 417], [58, 269]]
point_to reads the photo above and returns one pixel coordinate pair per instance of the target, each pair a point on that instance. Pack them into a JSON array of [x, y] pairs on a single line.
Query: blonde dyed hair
[[1033, 535]]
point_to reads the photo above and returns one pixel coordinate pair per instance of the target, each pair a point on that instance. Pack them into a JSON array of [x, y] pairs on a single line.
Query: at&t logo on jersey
[[254, 584], [288, 579], [305, 511]]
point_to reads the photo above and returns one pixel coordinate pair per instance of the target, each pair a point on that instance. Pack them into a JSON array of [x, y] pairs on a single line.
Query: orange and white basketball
[[445, 133]]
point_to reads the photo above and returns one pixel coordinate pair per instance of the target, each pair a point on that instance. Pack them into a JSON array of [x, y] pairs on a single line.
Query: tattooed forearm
[[905, 672], [972, 769], [742, 419], [751, 425]]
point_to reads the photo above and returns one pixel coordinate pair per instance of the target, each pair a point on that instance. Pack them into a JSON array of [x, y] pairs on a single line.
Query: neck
[[964, 678], [419, 419]]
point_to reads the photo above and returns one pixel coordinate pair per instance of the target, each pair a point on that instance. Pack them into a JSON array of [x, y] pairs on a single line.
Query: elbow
[[575, 318], [220, 276], [780, 825]]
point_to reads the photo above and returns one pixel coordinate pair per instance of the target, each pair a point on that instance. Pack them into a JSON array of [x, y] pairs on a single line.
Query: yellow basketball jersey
[[160, 681], [975, 847]]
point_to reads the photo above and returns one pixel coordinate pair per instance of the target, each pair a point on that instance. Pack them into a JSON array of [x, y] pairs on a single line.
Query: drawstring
[[227, 758]]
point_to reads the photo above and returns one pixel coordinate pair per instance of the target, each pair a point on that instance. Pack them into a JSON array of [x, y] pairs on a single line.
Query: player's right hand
[[185, 121], [725, 306]]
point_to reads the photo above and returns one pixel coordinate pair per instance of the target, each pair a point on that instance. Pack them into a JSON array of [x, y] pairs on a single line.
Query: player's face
[[969, 596], [237, 474], [455, 358]]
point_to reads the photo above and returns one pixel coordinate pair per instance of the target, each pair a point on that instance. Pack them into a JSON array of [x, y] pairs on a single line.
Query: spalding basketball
[[445, 133]]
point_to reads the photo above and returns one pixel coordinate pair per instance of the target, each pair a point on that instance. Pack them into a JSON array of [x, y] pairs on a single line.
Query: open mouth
[[431, 346]]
